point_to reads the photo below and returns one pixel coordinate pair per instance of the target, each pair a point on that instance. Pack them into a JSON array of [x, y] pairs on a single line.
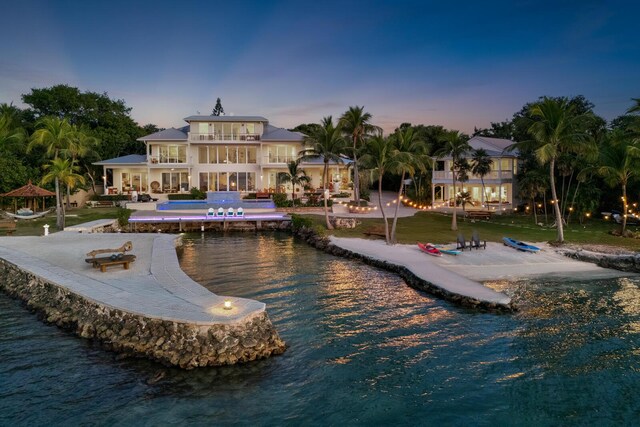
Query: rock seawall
[[323, 243], [172, 343], [624, 262]]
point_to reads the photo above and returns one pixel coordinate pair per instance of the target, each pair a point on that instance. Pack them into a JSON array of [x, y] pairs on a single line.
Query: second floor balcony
[[167, 160], [279, 159], [223, 137], [501, 175]]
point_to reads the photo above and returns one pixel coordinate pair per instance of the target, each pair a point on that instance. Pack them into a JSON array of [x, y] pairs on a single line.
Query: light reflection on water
[[364, 348]]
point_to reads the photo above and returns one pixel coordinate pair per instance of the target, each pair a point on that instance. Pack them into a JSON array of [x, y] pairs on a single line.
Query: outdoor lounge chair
[[461, 243], [220, 211], [230, 212], [476, 243], [240, 212], [211, 212]]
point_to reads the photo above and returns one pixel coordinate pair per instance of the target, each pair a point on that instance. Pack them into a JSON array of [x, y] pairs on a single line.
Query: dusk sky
[[457, 64]]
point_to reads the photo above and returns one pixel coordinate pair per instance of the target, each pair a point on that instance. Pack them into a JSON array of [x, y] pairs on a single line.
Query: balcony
[[501, 175], [277, 159], [166, 160], [202, 137]]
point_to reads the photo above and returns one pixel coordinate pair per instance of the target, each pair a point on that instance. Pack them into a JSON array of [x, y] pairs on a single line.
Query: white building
[[500, 183], [216, 153]]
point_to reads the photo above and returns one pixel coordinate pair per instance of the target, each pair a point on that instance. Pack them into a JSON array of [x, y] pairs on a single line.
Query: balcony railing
[[162, 160], [490, 175], [224, 137], [279, 159]]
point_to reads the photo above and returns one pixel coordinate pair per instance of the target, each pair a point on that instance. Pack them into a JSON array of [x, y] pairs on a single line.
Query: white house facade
[[216, 153], [499, 185]]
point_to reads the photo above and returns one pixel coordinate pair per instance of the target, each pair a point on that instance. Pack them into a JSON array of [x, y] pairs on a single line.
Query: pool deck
[[462, 274], [155, 286]]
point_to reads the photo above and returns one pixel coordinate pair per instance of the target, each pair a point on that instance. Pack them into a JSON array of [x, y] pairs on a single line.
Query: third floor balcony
[[502, 175], [202, 137]]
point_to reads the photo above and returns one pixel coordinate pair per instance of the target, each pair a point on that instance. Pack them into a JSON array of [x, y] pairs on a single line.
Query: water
[[364, 349]]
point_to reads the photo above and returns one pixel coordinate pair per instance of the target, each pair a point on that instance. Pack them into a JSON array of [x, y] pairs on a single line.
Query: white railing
[[279, 159], [224, 136], [162, 160], [490, 175]]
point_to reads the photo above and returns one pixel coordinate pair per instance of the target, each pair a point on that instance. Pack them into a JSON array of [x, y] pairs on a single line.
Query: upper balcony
[[501, 175], [278, 159], [203, 137], [164, 161]]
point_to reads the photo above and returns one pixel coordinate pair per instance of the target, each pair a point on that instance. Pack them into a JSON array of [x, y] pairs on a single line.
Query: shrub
[[298, 222], [365, 194], [341, 195], [180, 197], [250, 196], [280, 200], [198, 194], [123, 215]]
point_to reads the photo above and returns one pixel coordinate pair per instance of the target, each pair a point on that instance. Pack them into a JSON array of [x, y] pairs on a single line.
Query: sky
[[457, 64]]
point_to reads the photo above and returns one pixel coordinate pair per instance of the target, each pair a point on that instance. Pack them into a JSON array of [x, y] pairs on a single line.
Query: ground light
[[227, 305]]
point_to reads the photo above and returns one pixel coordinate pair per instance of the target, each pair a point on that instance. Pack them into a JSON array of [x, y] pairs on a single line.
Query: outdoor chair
[[230, 212], [476, 243], [220, 211], [211, 212], [240, 212], [461, 243]]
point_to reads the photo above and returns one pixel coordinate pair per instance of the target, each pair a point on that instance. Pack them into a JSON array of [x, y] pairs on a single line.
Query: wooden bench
[[479, 214], [8, 226], [103, 262]]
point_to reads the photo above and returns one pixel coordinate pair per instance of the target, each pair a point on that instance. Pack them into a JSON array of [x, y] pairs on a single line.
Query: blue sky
[[457, 64]]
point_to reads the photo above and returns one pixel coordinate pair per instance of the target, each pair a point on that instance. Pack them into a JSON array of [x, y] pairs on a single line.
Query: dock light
[[227, 305]]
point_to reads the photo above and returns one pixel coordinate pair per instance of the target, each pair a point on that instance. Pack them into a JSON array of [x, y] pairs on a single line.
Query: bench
[[479, 214], [8, 226], [103, 262]]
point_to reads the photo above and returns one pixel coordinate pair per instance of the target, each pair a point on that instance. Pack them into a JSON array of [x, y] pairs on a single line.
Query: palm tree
[[81, 145], [62, 171], [556, 128], [356, 126], [455, 146], [481, 166], [618, 167], [9, 133], [54, 135], [531, 185], [295, 176], [378, 157], [326, 143], [409, 155]]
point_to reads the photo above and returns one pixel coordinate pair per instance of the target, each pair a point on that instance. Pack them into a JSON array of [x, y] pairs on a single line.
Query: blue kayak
[[521, 246], [447, 250]]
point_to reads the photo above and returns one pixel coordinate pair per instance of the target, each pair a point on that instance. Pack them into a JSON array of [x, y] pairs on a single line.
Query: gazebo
[[32, 193]]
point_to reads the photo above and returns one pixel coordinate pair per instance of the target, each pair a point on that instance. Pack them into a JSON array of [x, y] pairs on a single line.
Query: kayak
[[447, 250], [429, 248], [521, 246]]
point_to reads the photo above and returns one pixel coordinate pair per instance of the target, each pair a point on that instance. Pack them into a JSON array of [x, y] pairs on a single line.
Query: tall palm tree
[[556, 128], [81, 145], [55, 135], [62, 171], [481, 166], [378, 157], [10, 134], [618, 167], [409, 155], [455, 146], [295, 176], [326, 143], [531, 185], [356, 126]]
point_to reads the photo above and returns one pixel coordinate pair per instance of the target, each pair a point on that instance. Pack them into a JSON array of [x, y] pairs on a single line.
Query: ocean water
[[364, 349]]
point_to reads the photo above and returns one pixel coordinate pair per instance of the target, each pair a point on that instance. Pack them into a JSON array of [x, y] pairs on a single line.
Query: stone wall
[[622, 262], [169, 342], [323, 243], [195, 226]]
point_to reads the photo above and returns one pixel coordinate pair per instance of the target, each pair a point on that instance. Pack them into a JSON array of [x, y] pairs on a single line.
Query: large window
[[172, 182], [222, 154], [172, 153], [231, 181]]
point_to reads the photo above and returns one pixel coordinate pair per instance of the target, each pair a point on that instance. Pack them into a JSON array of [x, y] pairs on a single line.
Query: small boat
[[521, 246], [429, 248], [449, 250]]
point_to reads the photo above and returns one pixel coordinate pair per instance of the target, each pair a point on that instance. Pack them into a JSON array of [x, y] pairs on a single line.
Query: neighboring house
[[216, 153], [500, 183]]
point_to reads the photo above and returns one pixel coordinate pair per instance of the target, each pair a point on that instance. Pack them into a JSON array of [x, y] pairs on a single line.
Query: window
[[251, 154], [203, 155], [204, 181], [223, 184]]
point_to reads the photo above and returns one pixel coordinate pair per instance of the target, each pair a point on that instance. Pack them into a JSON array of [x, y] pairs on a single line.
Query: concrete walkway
[[155, 285]]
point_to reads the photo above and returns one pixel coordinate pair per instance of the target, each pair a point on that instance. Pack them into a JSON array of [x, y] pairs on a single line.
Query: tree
[[618, 167], [295, 176], [378, 157], [409, 154], [325, 143], [481, 166], [55, 135], [10, 134], [356, 126], [531, 185], [61, 171], [218, 110], [455, 146], [556, 128]]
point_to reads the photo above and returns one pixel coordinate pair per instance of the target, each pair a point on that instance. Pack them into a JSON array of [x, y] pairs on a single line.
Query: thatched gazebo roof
[[29, 190]]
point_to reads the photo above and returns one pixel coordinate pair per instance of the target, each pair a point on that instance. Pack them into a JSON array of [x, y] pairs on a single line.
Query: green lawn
[[436, 228], [33, 227]]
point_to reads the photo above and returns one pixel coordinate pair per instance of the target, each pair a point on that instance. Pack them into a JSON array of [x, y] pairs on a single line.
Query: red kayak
[[430, 249]]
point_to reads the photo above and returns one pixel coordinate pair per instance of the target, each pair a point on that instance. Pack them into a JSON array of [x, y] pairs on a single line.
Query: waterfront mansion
[[217, 153], [499, 185]]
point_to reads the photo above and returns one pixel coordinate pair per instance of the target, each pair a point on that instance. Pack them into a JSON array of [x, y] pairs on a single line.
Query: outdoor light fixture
[[227, 305], [588, 214]]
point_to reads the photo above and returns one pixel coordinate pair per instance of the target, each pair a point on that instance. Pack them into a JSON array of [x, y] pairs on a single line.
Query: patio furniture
[[475, 241], [240, 212], [230, 212], [220, 211], [117, 257], [211, 212], [461, 242]]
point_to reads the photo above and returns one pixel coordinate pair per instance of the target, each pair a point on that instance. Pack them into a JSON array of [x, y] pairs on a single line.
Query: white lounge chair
[[240, 212], [211, 212], [220, 211], [230, 212]]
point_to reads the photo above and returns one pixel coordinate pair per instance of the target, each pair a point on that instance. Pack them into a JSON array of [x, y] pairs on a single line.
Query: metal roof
[[272, 133], [131, 159], [225, 119], [490, 144], [171, 134]]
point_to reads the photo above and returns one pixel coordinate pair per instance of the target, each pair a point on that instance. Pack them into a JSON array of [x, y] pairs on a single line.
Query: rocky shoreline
[[623, 261], [172, 343]]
